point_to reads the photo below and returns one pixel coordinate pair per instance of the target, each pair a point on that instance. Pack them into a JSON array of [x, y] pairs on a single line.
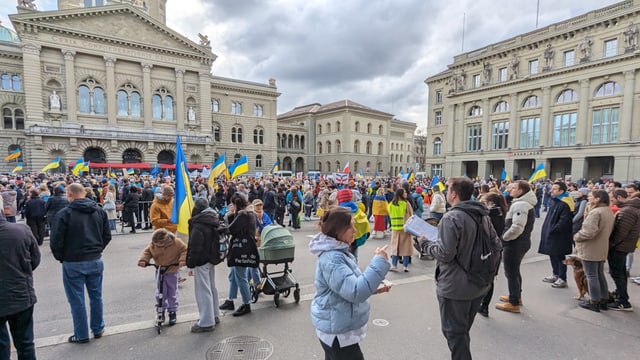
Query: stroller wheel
[[254, 296], [296, 295], [276, 299], [286, 293]]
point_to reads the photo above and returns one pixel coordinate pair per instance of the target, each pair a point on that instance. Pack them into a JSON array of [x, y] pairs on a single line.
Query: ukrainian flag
[[538, 173], [276, 167], [77, 167], [17, 168], [182, 202], [504, 175], [217, 169], [52, 165], [85, 166], [436, 182], [14, 154], [130, 171], [240, 167], [411, 176]]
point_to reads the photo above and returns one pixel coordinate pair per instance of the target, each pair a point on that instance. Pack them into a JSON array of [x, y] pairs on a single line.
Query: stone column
[[146, 89], [110, 91], [204, 115], [486, 128], [624, 133], [583, 125], [514, 123], [70, 86], [546, 121], [33, 84], [180, 109], [577, 168], [451, 128]]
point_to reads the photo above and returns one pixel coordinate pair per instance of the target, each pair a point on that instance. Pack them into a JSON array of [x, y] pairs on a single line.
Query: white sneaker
[[550, 279], [559, 284]]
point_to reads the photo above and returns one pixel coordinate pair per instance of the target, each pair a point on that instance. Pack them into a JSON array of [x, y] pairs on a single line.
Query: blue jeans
[[21, 326], [598, 289], [238, 280], [254, 274], [75, 277]]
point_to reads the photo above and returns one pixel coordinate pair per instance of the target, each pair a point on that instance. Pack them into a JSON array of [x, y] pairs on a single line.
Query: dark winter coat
[[626, 229], [204, 239], [269, 200], [19, 256], [35, 209], [80, 232], [55, 204], [556, 237], [131, 201]]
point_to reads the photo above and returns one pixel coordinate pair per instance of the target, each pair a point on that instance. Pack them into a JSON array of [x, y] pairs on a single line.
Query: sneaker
[[75, 340], [98, 335], [227, 305], [550, 279], [508, 307], [394, 269], [505, 299], [406, 269], [173, 319], [243, 309], [637, 280], [200, 329], [590, 306], [620, 306], [559, 284]]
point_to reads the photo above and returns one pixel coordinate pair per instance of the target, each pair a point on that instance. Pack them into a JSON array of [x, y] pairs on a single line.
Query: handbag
[[109, 206], [243, 253]]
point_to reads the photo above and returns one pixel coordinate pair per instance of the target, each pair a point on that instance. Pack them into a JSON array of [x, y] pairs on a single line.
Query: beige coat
[[592, 241]]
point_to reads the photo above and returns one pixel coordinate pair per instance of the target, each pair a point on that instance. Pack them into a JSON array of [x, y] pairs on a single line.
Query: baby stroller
[[277, 248], [418, 245]]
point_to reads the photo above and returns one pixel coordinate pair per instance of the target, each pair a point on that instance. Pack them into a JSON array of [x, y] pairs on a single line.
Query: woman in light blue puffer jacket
[[340, 307]]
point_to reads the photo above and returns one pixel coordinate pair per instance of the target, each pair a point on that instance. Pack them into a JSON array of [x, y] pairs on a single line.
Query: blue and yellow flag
[[77, 167], [504, 176], [436, 182], [240, 167], [217, 169], [14, 154], [130, 171], [276, 167], [182, 202], [411, 176], [52, 165], [85, 166], [538, 173], [17, 168]]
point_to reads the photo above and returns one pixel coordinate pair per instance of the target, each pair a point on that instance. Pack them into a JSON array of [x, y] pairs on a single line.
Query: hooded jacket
[[341, 303], [80, 232], [54, 204], [10, 203], [457, 233], [204, 239], [160, 214], [520, 218], [19, 256], [627, 227], [167, 251]]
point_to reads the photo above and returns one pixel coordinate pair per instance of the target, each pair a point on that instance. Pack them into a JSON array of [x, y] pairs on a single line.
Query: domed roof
[[8, 35]]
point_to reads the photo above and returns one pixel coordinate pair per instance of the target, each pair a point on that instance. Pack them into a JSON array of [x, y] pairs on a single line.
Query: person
[[380, 211], [401, 242], [166, 250], [418, 202], [79, 235], [34, 211], [497, 207], [344, 198], [9, 203], [146, 199], [308, 203], [592, 245], [555, 238], [516, 239], [459, 297], [340, 306], [262, 220], [130, 207], [294, 201], [622, 241], [270, 202], [580, 202], [19, 257], [242, 226], [55, 203], [203, 254], [438, 203], [161, 208], [281, 200], [110, 199]]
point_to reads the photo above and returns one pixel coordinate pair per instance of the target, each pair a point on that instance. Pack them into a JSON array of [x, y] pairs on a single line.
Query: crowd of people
[[596, 221]]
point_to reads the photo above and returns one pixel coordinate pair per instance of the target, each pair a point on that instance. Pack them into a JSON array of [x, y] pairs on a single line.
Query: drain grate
[[241, 348]]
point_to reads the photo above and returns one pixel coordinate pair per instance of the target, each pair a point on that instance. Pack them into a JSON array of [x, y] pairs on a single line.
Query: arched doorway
[[299, 164], [286, 164], [166, 157], [94, 154], [131, 156]]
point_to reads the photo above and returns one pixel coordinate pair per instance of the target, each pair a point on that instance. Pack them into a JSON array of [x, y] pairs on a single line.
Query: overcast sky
[[374, 52]]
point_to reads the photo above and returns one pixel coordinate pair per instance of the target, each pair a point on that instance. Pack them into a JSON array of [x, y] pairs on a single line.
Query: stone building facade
[[110, 82], [566, 95]]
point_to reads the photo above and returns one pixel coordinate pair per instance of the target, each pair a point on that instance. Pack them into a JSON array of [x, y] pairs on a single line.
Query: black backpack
[[482, 262]]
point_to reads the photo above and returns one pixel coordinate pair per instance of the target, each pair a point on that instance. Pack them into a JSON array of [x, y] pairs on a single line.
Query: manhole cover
[[241, 347], [380, 322]]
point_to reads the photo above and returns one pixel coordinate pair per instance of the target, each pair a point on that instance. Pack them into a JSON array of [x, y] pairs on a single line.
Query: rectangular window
[[438, 120], [474, 137], [476, 81], [604, 129], [611, 47], [533, 67], [436, 170], [564, 129], [438, 97], [500, 135], [258, 110], [437, 148], [529, 133], [236, 108], [502, 74], [568, 58]]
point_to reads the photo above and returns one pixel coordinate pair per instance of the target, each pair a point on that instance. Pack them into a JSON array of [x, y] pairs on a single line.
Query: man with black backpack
[[468, 255]]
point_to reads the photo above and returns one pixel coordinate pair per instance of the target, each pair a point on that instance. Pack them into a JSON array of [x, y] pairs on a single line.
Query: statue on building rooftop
[[27, 4], [204, 40]]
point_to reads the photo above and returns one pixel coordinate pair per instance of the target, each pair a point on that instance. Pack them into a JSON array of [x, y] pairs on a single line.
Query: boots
[[603, 305], [243, 309], [505, 299], [590, 305], [172, 318], [227, 305], [508, 307]]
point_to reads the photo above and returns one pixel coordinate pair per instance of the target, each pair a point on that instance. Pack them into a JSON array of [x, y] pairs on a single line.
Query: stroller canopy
[[275, 236]]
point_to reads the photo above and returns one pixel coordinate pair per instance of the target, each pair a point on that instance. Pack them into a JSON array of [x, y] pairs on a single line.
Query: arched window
[[258, 136], [356, 146], [501, 106], [156, 106], [215, 105], [296, 142], [568, 95], [368, 166], [380, 130], [319, 147], [338, 167], [356, 166], [368, 149], [338, 126], [357, 126], [302, 142], [338, 146], [328, 128], [90, 97], [320, 166], [368, 128], [531, 101], [475, 111], [236, 134], [328, 165], [400, 157], [128, 100], [319, 129], [216, 132], [609, 88], [162, 105], [328, 147], [258, 161], [283, 141], [437, 147], [290, 141], [13, 118], [380, 148]]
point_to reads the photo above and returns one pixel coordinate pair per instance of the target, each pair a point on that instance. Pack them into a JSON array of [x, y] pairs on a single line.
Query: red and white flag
[[346, 168]]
